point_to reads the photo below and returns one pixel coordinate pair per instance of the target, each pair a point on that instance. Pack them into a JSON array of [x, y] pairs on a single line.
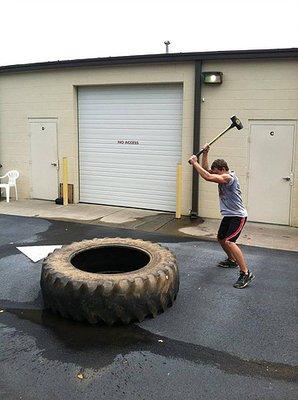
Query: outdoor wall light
[[212, 77]]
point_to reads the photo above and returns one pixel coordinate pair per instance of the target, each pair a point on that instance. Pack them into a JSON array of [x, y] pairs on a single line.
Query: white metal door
[[270, 171], [130, 144], [44, 159]]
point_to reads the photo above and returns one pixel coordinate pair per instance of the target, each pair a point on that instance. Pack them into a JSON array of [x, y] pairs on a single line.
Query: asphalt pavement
[[216, 342]]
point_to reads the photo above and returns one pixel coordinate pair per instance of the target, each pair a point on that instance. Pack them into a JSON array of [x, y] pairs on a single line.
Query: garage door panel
[[139, 194], [143, 124], [144, 147], [97, 154], [144, 197], [120, 95], [117, 160], [128, 182], [142, 175], [130, 144], [142, 201], [136, 188], [155, 139], [123, 191], [155, 108], [110, 158], [91, 167]]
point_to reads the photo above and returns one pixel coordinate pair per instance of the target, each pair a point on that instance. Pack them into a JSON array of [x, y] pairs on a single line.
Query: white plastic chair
[[12, 178]]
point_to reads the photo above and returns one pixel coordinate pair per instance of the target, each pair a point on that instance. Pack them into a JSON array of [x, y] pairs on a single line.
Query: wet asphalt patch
[[101, 345]]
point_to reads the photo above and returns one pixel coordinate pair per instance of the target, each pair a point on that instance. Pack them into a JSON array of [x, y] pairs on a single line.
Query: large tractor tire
[[110, 280]]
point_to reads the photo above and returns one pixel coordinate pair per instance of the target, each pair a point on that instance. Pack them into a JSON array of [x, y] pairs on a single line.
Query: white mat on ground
[[36, 253]]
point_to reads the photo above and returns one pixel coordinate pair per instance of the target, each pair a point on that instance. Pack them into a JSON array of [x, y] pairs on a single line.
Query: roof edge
[[155, 58]]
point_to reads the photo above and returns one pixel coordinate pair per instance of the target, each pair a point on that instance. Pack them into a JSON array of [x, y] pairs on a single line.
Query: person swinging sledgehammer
[[233, 212]]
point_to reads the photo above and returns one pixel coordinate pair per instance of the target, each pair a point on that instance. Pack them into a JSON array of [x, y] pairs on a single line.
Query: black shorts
[[230, 228]]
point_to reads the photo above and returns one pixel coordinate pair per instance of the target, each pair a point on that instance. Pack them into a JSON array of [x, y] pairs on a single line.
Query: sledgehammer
[[236, 123]]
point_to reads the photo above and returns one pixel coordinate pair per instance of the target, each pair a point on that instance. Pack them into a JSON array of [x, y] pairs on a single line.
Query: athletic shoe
[[243, 280], [228, 264]]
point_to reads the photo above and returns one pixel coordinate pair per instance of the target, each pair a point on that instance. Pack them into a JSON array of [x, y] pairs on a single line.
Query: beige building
[[124, 123]]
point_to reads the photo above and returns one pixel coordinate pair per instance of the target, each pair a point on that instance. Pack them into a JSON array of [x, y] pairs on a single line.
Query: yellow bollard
[[178, 191], [65, 181]]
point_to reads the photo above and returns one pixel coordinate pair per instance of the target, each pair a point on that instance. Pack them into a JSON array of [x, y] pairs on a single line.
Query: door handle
[[55, 164], [289, 178]]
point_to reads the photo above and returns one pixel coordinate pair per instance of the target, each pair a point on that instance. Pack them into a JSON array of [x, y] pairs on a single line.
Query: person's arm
[[205, 157], [224, 178]]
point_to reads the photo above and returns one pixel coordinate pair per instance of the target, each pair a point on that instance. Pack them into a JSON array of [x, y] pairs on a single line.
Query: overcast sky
[[48, 30]]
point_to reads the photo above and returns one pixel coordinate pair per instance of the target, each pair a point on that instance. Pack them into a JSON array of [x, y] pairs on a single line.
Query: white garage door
[[130, 144]]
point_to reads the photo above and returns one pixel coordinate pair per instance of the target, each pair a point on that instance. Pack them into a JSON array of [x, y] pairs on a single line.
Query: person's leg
[[245, 276], [221, 235], [237, 256], [226, 249], [235, 228]]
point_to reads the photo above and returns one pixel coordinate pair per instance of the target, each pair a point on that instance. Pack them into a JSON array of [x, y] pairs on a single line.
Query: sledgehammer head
[[236, 122]]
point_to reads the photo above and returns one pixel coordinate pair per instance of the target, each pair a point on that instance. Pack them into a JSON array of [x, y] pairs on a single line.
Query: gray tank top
[[231, 204]]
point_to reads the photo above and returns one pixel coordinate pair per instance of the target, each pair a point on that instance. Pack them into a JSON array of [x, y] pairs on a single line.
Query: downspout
[[196, 137]]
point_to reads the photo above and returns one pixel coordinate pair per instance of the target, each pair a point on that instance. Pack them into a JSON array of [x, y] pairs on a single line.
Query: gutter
[[196, 137]]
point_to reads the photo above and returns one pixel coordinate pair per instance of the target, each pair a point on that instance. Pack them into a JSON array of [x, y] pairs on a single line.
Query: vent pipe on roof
[[167, 43]]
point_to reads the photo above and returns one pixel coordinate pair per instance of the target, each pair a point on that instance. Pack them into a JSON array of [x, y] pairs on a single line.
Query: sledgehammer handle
[[213, 140]]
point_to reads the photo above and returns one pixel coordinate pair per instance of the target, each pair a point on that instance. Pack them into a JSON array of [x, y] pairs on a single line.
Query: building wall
[[264, 90], [251, 90], [49, 94]]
